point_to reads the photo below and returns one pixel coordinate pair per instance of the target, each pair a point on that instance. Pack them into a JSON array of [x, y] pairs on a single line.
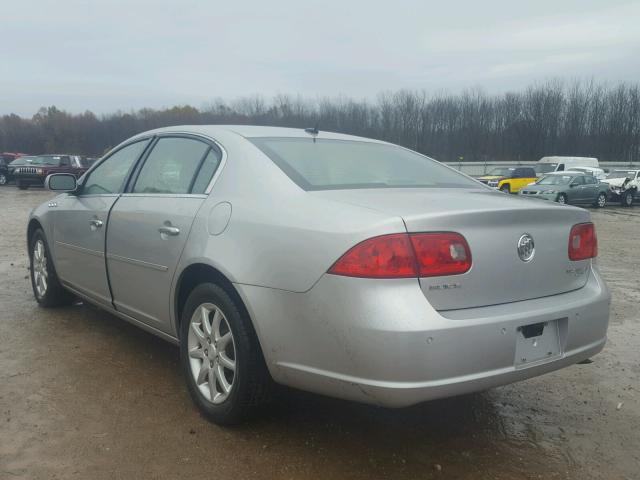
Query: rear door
[[150, 223], [80, 223], [591, 189], [577, 190]]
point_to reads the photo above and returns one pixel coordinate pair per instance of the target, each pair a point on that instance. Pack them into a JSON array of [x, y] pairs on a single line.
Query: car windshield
[[345, 164], [621, 174], [22, 161], [545, 167], [48, 160], [501, 171], [555, 180]]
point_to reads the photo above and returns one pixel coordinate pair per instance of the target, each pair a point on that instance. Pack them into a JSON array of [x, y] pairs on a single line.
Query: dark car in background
[[575, 188], [35, 172], [6, 160]]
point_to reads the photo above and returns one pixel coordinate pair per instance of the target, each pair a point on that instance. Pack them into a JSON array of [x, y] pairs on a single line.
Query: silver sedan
[[330, 263]]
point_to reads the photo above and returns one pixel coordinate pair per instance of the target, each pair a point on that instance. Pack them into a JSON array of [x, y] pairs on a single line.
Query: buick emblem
[[526, 248]]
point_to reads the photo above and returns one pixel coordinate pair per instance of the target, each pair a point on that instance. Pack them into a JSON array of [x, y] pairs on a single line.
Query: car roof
[[255, 131], [574, 173]]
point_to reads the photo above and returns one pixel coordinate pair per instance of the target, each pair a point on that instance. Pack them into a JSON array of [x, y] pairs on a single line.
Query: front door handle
[[95, 223], [166, 230]]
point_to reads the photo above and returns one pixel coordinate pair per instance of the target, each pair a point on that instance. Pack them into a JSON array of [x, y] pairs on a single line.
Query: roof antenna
[[313, 131]]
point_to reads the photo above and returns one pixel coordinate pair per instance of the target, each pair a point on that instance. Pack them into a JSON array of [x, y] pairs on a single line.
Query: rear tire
[[3, 179], [626, 198], [562, 199], [601, 201], [505, 188], [47, 288], [206, 358]]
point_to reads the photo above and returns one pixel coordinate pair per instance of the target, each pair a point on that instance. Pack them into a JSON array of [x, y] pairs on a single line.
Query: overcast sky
[[113, 54]]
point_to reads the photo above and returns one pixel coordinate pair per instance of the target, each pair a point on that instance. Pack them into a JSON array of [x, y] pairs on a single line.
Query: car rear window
[[326, 164]]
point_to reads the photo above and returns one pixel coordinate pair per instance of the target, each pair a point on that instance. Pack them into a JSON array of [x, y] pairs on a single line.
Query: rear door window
[[171, 166]]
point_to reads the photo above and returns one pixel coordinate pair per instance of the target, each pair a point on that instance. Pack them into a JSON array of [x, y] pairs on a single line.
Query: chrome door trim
[[80, 249], [166, 195], [94, 195], [139, 263]]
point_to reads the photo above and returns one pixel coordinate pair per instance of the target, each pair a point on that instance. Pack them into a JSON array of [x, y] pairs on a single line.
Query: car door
[[80, 222], [576, 191], [150, 223], [591, 189]]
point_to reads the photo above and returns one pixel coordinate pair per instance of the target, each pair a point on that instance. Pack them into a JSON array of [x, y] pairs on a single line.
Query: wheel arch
[[195, 274], [33, 225]]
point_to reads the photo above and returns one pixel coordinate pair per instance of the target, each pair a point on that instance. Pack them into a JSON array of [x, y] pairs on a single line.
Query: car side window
[[171, 166], [208, 168], [109, 176], [560, 168], [578, 181]]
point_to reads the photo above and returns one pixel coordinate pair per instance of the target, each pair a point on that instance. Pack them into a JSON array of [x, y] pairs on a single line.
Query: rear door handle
[[173, 231], [95, 223]]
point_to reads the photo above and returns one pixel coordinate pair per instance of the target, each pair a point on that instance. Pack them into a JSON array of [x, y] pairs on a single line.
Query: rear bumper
[[380, 341]]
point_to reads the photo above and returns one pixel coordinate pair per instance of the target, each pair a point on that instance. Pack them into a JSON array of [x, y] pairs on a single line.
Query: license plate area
[[537, 343]]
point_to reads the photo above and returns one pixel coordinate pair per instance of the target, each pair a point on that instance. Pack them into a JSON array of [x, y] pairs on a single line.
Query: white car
[[624, 185], [599, 173]]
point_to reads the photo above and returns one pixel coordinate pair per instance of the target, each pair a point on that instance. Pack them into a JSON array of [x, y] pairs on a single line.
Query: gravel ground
[[86, 395]]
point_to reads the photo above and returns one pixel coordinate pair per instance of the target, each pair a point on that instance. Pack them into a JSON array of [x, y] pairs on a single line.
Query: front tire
[[47, 288], [221, 357], [562, 199], [505, 188], [626, 198]]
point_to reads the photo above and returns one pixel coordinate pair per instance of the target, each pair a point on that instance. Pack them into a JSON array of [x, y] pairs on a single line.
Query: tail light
[[405, 255], [583, 242], [443, 253]]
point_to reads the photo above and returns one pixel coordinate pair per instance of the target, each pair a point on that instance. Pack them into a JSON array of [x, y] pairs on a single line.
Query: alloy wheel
[[628, 199], [40, 272], [3, 179], [212, 353], [602, 200], [561, 199]]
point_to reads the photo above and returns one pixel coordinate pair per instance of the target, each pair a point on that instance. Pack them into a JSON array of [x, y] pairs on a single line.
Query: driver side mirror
[[61, 182]]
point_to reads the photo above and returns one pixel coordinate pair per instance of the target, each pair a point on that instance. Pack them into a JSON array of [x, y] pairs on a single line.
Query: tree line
[[552, 118]]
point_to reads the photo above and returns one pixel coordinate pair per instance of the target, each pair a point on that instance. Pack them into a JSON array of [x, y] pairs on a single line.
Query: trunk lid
[[492, 223]]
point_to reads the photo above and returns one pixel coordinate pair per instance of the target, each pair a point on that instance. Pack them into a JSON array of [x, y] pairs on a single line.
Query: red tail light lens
[[583, 242], [387, 256], [444, 253], [406, 255]]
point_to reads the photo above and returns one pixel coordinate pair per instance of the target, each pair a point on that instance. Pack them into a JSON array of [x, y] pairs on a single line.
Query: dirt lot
[[85, 395]]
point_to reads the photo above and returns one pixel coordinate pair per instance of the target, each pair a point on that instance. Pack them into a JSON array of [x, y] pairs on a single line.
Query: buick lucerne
[[335, 264]]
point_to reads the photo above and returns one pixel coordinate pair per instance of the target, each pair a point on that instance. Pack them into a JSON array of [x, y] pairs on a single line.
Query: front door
[[80, 221], [150, 224]]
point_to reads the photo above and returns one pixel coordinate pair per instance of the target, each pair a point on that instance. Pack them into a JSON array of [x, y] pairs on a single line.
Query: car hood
[[615, 182], [541, 188], [491, 177]]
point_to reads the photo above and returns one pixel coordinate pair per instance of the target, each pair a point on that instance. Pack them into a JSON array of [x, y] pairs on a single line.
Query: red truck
[[34, 173]]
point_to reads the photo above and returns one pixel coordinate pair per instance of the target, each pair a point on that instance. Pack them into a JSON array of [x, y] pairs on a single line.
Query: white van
[[559, 164]]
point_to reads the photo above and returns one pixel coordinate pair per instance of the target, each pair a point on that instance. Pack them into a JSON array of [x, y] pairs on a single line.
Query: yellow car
[[509, 179]]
